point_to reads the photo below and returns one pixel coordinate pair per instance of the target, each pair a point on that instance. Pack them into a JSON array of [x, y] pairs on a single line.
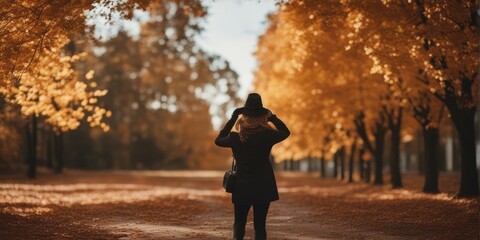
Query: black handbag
[[230, 177]]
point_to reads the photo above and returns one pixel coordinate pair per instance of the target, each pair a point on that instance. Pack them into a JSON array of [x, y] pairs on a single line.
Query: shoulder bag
[[230, 177]]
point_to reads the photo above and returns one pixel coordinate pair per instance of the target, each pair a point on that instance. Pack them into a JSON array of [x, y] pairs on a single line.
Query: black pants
[[259, 218]]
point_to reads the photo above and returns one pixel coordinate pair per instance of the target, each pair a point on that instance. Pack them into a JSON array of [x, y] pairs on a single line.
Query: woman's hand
[[269, 114], [237, 112]]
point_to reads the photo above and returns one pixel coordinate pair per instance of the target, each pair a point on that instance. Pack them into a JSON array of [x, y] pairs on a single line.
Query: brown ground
[[170, 205]]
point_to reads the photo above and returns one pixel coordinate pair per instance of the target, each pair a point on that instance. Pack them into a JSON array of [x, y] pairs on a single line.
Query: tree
[[31, 32], [303, 54], [30, 27], [428, 112], [10, 137], [53, 90], [440, 39], [415, 47], [162, 88], [351, 160]]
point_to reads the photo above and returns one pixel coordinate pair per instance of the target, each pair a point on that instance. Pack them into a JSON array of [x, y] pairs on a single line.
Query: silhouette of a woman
[[251, 145]]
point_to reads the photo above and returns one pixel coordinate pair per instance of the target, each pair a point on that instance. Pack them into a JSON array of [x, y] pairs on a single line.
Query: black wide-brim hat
[[253, 106]]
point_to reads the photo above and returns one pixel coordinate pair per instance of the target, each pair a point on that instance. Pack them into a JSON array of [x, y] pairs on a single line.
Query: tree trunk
[[360, 163], [377, 150], [322, 166], [28, 134], [395, 123], [395, 158], [49, 151], [335, 165], [342, 163], [32, 148], [350, 161], [465, 125], [463, 117], [368, 170], [430, 143], [59, 152], [378, 155]]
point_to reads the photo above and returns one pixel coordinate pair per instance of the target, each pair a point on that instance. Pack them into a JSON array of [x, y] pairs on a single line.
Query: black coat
[[255, 177]]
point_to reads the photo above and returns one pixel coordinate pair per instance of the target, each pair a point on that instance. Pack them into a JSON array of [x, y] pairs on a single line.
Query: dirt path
[[286, 220], [191, 205]]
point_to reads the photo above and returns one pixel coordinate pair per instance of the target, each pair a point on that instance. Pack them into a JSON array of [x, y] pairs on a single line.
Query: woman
[[255, 185]]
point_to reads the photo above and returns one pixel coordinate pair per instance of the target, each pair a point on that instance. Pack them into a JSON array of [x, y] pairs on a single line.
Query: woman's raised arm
[[282, 132], [223, 138]]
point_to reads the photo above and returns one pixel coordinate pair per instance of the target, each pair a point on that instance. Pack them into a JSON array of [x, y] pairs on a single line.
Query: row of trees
[[161, 86], [151, 95], [347, 74], [37, 75]]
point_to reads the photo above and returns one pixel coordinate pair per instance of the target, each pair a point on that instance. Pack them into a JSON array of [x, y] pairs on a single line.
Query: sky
[[231, 31]]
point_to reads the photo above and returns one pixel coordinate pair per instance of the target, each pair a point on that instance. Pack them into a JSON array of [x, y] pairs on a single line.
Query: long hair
[[248, 126]]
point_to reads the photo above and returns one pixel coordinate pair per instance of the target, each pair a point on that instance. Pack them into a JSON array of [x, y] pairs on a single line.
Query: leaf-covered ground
[[192, 205]]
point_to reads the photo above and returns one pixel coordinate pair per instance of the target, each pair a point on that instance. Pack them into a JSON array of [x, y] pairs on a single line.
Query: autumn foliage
[[144, 102], [347, 73], [353, 79]]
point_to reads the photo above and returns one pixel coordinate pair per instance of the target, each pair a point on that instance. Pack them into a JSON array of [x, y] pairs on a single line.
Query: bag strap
[[234, 164]]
